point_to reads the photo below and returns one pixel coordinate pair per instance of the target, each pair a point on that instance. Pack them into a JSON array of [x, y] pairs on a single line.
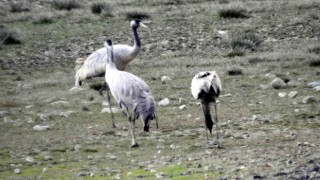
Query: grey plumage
[[131, 93]]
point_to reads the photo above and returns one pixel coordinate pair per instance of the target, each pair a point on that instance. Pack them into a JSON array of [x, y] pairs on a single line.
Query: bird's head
[[108, 42], [137, 23]]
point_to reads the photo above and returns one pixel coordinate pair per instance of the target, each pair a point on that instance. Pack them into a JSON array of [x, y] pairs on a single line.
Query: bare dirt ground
[[266, 132]]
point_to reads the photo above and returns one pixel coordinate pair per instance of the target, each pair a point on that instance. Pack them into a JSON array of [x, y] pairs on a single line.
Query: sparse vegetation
[[66, 4], [233, 10], [101, 7], [137, 15], [246, 40], [8, 36], [43, 19], [235, 71], [314, 49], [18, 6], [314, 63], [236, 52]]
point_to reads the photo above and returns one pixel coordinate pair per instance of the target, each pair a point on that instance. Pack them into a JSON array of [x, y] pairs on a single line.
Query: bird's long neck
[[137, 42], [110, 59]]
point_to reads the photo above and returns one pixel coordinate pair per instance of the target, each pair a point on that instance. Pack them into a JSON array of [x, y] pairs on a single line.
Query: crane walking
[[95, 64], [206, 87], [131, 93]]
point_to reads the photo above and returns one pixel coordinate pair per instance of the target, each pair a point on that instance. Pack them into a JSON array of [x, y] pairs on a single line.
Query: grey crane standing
[[95, 64], [206, 87], [131, 93]]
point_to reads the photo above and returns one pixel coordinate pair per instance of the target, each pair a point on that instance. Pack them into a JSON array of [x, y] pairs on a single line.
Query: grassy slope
[[182, 41]]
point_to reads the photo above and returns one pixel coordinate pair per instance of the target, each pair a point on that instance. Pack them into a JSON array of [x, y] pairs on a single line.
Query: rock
[[30, 159], [186, 173], [43, 116], [77, 147], [182, 107], [309, 99], [254, 117], [165, 79], [282, 94], [81, 174], [113, 109], [112, 157], [164, 102], [66, 114], [293, 94], [317, 88], [17, 171], [314, 84], [160, 175], [41, 127], [277, 83], [44, 170], [47, 158], [59, 103]]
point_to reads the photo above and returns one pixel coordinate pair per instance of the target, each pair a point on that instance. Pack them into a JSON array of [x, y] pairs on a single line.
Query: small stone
[[47, 158], [254, 117], [293, 94], [165, 79], [17, 171], [44, 170], [309, 99], [112, 157], [186, 173], [113, 109], [77, 147], [75, 89], [278, 83], [182, 107], [59, 103], [30, 159], [43, 116], [81, 174], [314, 83], [282, 94], [317, 88], [164, 102], [41, 127]]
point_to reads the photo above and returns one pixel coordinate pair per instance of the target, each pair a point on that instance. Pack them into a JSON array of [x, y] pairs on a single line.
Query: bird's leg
[[157, 122], [106, 87], [205, 125], [216, 121], [111, 113], [133, 141]]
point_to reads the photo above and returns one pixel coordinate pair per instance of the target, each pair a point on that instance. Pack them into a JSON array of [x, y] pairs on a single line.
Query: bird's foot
[[135, 145]]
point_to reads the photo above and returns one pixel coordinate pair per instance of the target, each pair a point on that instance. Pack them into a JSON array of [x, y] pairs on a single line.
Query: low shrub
[[65, 4]]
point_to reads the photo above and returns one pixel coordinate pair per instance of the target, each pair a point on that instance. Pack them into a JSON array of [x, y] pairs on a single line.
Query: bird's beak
[[143, 25]]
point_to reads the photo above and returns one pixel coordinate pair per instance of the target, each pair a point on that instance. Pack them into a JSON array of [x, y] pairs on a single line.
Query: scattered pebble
[[165, 79], [113, 109], [314, 84], [293, 94], [317, 88], [164, 102], [41, 127], [17, 171], [278, 83], [182, 107], [44, 170], [282, 94], [30, 159], [309, 99]]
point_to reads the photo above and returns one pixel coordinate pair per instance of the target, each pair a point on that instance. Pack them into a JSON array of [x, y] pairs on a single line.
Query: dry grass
[[66, 4], [9, 36]]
